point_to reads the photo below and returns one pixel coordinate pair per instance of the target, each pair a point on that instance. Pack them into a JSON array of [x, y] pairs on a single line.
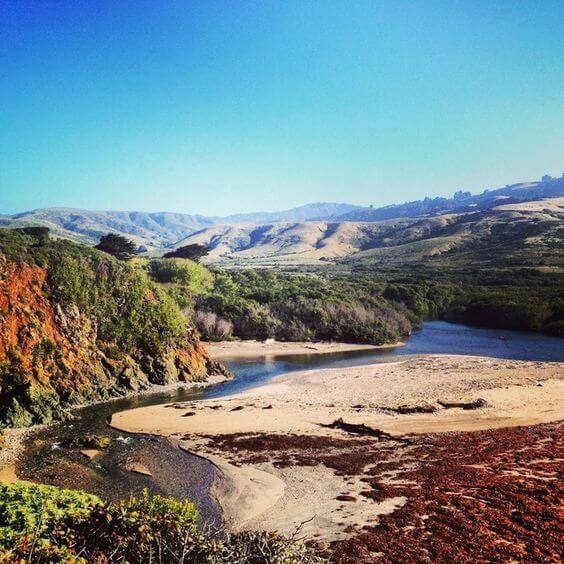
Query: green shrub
[[40, 520], [264, 304], [40, 234], [132, 313], [46, 524], [142, 528], [195, 277]]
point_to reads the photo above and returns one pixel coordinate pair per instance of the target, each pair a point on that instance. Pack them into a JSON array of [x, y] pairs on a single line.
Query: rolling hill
[[156, 230], [310, 233], [150, 230], [529, 233], [464, 201]]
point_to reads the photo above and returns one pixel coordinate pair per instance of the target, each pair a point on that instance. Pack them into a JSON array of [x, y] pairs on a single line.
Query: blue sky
[[221, 107]]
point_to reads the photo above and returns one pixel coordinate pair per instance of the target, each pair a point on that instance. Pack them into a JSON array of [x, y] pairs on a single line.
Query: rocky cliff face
[[59, 349]]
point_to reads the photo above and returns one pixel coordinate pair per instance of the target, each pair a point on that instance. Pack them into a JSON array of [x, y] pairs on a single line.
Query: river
[[178, 474]]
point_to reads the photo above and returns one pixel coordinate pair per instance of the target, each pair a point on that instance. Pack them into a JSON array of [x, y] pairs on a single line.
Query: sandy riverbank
[[292, 413], [243, 349]]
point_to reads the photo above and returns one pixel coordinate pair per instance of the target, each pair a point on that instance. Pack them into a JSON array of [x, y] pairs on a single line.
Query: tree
[[117, 246], [193, 252], [40, 234]]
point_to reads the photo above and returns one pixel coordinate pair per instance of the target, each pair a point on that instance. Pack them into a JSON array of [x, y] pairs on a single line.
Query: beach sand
[[290, 471], [252, 349]]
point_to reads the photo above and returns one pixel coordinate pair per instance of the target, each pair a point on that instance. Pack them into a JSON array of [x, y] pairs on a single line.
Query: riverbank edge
[[15, 438], [233, 350]]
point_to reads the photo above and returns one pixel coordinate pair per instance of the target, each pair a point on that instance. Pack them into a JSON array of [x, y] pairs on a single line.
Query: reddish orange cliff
[[59, 349]]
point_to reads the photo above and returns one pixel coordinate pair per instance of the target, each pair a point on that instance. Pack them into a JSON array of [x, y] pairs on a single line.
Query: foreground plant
[[47, 524]]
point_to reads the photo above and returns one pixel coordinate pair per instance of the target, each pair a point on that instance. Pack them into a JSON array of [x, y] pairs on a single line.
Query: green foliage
[[294, 307], [34, 518], [193, 252], [46, 524], [16, 244], [141, 528], [117, 246], [40, 234], [132, 313], [196, 278], [525, 299]]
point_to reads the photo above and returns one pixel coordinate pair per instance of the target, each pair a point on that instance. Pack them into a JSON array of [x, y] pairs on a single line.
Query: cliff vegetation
[[77, 325]]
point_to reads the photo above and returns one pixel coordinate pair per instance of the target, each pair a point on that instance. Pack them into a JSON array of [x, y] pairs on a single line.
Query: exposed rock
[[137, 468], [476, 404], [53, 355], [90, 452]]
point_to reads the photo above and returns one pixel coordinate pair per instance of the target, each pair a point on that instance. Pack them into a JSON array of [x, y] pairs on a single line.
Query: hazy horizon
[[241, 212], [218, 109]]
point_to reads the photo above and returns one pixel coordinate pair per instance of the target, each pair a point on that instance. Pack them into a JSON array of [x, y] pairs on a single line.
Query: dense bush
[[524, 299], [263, 304], [131, 312], [188, 273], [212, 327], [46, 524], [33, 521], [193, 252], [501, 310]]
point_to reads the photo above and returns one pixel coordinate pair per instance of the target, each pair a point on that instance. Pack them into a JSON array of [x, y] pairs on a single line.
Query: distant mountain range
[[241, 232], [309, 212], [154, 230], [524, 234]]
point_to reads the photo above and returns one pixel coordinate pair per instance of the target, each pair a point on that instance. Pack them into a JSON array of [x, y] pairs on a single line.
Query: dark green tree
[[117, 246], [193, 252], [40, 234]]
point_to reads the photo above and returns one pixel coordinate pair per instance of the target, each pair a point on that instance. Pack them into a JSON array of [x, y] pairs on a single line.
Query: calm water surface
[[436, 337]]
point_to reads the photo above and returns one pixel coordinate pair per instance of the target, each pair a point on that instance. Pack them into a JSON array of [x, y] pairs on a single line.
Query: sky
[[220, 107]]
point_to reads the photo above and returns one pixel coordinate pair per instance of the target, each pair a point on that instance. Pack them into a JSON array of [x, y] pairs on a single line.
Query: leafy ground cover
[[47, 524]]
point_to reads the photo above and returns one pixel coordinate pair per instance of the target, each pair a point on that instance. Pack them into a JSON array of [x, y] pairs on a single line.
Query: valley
[[308, 374]]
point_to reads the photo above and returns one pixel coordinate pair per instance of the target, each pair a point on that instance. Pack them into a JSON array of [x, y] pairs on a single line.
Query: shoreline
[[299, 410], [233, 350], [16, 437]]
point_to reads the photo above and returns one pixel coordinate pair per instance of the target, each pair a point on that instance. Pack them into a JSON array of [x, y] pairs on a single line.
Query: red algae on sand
[[491, 495], [479, 496]]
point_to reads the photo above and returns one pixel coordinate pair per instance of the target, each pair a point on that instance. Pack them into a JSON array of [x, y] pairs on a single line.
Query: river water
[[179, 474]]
